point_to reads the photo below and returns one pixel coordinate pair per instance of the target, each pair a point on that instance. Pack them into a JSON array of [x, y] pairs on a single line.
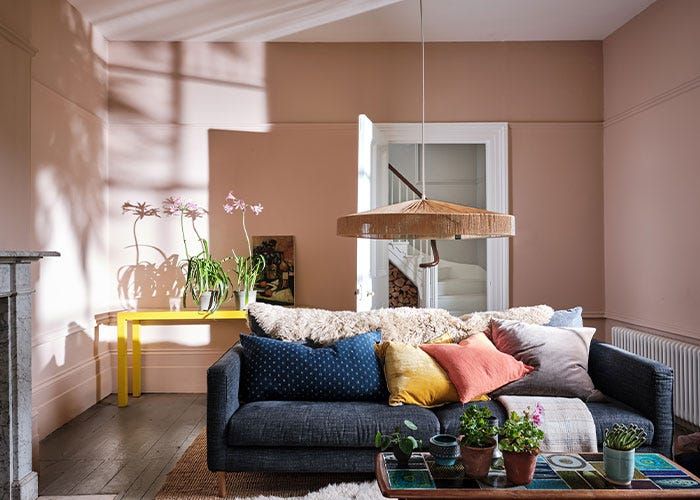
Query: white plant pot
[[245, 298], [207, 301]]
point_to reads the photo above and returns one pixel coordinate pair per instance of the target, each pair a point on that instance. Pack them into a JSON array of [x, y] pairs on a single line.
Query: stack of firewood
[[402, 291]]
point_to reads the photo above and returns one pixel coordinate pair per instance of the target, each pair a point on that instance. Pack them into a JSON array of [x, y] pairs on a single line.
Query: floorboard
[[125, 452]]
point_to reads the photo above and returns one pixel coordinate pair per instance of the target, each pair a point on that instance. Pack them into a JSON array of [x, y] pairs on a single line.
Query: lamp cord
[[422, 100]]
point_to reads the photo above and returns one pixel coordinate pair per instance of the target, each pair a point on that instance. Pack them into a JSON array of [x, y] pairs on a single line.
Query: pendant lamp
[[424, 218]]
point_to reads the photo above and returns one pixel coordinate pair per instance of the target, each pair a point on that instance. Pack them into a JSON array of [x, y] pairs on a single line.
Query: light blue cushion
[[277, 370], [567, 318]]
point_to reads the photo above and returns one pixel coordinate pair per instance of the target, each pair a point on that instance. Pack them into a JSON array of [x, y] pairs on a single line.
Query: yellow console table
[[135, 318]]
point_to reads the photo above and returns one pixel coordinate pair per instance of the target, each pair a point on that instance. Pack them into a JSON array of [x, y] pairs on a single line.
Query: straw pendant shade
[[428, 220]]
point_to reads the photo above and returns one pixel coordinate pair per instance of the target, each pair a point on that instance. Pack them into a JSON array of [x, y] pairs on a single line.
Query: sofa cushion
[[475, 366], [605, 415], [309, 424], [608, 414], [448, 415], [346, 371], [567, 318], [413, 377], [560, 356]]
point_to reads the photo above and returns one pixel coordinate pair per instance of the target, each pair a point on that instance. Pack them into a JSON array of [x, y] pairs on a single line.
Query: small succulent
[[624, 437], [407, 444], [476, 429]]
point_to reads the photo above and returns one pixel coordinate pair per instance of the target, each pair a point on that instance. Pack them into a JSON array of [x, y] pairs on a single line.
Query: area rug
[[191, 479]]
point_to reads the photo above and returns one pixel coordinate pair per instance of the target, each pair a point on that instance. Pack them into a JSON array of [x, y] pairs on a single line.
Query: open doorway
[[457, 174], [466, 163]]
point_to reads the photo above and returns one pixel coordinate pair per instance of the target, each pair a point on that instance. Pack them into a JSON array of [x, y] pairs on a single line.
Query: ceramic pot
[[520, 467], [207, 301], [245, 298], [477, 460], [445, 449], [619, 465], [401, 457]]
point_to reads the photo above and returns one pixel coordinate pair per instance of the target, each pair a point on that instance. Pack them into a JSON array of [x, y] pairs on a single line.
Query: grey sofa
[[306, 436]]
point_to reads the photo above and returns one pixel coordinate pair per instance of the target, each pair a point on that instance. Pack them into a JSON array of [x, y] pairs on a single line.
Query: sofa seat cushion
[[608, 414], [323, 424], [605, 415], [448, 415]]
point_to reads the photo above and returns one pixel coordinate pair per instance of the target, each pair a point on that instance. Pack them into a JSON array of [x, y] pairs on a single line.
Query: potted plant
[[519, 440], [402, 446], [206, 280], [477, 440], [619, 444], [247, 267]]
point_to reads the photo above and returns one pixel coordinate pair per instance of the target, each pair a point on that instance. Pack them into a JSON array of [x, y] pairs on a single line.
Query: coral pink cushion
[[475, 366]]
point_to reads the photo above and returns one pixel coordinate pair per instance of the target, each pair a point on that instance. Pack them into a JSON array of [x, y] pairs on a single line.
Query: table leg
[[136, 358], [122, 373]]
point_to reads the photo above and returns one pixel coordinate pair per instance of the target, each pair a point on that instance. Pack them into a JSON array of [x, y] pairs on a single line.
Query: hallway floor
[[125, 452]]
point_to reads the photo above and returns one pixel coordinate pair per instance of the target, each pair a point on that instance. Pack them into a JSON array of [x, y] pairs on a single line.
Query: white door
[[372, 191]]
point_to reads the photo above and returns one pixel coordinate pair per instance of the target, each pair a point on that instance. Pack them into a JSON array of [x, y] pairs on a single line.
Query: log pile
[[402, 291]]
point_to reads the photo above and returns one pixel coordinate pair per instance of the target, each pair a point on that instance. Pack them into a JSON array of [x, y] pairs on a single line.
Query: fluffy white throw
[[402, 324], [567, 424]]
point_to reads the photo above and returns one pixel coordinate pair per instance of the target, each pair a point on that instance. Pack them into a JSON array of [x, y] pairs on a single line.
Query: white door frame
[[495, 137]]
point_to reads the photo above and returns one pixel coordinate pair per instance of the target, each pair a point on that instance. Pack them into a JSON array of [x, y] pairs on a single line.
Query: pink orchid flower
[[239, 205], [257, 208], [230, 197], [538, 414], [229, 208]]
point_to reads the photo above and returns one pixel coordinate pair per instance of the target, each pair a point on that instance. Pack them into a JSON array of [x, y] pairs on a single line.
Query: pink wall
[[15, 187], [550, 92], [652, 126], [70, 364]]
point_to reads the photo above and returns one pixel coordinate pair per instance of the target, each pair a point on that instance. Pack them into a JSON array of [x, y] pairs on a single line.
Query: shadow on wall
[[68, 164], [163, 98]]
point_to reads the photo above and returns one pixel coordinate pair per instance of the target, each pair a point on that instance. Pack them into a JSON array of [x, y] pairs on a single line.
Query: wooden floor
[[121, 451]]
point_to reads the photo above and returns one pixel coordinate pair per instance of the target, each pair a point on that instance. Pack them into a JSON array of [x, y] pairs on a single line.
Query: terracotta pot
[[520, 467], [477, 461]]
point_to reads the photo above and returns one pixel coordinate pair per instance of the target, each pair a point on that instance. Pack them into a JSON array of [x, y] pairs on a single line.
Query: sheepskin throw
[[535, 315], [401, 324]]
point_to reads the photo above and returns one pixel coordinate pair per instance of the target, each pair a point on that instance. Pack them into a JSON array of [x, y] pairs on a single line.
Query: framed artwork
[[276, 283]]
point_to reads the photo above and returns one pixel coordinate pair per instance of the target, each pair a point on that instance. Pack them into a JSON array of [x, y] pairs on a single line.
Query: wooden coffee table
[[568, 475]]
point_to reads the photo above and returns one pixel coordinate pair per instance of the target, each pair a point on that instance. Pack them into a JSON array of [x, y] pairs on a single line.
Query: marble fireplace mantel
[[17, 480]]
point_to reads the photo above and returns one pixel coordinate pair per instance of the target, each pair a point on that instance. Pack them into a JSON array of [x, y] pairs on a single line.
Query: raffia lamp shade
[[427, 220]]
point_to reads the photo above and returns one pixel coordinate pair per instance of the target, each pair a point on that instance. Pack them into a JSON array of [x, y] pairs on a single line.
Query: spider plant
[[206, 274]]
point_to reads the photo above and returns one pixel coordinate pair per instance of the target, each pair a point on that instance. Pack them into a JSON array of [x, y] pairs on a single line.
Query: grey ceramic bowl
[[444, 448]]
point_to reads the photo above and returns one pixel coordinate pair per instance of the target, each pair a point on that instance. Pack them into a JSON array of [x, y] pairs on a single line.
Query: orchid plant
[[247, 267], [203, 273], [521, 433]]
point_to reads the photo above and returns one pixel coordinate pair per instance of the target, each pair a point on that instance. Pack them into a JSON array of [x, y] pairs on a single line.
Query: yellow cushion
[[445, 338], [413, 377]]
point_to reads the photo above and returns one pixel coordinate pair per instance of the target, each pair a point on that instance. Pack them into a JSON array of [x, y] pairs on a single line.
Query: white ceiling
[[358, 20]]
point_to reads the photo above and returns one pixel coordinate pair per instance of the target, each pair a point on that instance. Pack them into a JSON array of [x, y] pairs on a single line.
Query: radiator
[[684, 358]]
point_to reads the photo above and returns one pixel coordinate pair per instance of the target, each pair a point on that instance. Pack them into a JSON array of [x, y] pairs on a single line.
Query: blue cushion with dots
[[276, 370]]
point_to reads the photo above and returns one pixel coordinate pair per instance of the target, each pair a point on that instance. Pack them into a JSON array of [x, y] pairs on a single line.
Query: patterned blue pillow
[[275, 370], [567, 318]]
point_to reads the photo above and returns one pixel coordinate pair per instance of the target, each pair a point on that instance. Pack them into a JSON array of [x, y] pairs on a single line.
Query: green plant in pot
[[619, 445], [519, 440], [477, 440], [206, 281], [402, 445], [248, 268]]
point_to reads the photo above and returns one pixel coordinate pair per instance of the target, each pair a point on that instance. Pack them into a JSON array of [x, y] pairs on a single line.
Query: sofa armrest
[[223, 381], [641, 383]]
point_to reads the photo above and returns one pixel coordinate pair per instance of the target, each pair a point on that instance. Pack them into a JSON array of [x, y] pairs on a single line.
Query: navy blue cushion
[[315, 424], [567, 318], [349, 370]]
